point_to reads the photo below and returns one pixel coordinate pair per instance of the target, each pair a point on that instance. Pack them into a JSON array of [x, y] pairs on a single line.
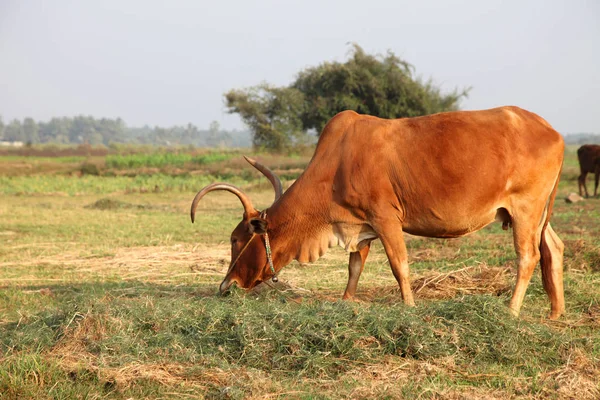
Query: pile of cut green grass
[[85, 334]]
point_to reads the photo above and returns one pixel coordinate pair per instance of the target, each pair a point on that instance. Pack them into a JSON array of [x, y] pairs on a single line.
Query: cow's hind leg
[[356, 265], [552, 249], [526, 233], [596, 177]]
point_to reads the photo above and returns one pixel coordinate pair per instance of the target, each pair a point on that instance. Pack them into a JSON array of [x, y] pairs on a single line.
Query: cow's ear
[[258, 226]]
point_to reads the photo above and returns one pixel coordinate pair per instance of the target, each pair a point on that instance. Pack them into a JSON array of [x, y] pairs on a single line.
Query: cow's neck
[[299, 225]]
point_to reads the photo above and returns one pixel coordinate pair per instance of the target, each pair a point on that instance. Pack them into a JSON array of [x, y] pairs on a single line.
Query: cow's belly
[[449, 226], [350, 236]]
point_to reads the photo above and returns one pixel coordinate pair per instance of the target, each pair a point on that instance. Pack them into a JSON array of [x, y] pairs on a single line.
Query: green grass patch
[[91, 184], [159, 160], [35, 159], [212, 158], [111, 204]]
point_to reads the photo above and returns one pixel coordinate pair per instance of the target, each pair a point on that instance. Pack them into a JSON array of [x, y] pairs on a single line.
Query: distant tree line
[[582, 138], [86, 129], [384, 86]]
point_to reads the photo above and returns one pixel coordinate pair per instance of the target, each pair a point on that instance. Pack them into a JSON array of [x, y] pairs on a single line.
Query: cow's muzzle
[[225, 286]]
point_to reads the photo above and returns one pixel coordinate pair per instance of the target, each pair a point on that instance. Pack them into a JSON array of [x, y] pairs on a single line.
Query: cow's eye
[[233, 240]]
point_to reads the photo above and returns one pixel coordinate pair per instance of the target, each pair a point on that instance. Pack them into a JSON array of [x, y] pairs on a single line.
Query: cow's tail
[[551, 257], [550, 201]]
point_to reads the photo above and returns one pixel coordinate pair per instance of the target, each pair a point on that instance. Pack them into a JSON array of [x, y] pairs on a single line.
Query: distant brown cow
[[589, 161], [444, 175]]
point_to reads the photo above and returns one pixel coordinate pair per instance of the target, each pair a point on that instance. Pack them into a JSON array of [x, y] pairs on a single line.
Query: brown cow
[[444, 175], [589, 161]]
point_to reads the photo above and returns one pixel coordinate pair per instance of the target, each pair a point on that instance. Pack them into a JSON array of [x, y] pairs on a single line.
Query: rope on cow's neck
[[241, 252], [268, 248]]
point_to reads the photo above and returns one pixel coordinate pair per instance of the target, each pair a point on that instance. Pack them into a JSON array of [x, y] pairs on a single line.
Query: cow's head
[[249, 265]]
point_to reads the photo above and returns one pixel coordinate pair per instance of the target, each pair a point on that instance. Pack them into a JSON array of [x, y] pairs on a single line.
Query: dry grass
[[160, 264], [578, 378], [469, 280], [71, 354]]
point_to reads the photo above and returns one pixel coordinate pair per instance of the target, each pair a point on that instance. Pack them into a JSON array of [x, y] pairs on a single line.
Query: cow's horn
[[270, 176], [248, 208]]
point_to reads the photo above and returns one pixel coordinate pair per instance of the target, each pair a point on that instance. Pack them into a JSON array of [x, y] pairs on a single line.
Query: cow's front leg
[[356, 265], [393, 243]]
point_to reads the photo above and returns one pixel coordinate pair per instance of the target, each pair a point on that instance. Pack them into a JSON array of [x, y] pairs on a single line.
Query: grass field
[[108, 291]]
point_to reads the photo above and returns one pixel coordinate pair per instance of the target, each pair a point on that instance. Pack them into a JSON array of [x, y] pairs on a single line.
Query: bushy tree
[[272, 113], [383, 86]]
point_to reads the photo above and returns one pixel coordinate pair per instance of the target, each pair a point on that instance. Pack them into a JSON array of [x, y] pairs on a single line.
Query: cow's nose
[[225, 285]]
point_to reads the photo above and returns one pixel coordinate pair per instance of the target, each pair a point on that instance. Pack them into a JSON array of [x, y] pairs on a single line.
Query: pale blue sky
[[169, 62]]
